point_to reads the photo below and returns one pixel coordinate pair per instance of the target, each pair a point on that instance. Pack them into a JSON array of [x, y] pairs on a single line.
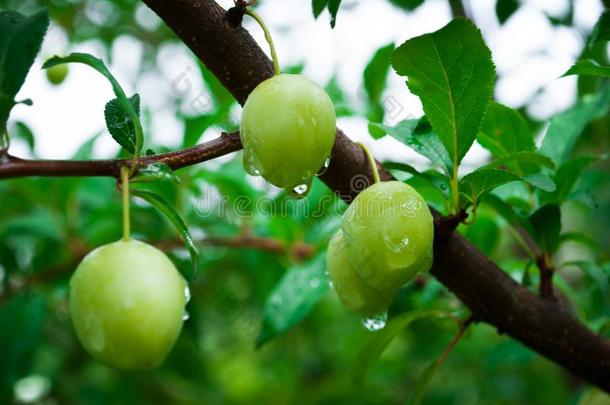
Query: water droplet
[[185, 316], [376, 322], [300, 189], [250, 163], [396, 246], [314, 282], [187, 293], [276, 301], [324, 167], [330, 282]]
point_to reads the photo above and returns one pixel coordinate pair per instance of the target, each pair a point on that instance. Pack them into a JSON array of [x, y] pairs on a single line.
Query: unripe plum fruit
[[57, 74], [287, 130], [389, 232], [127, 302], [352, 290]]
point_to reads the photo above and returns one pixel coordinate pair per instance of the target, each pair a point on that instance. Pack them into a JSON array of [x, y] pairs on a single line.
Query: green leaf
[[21, 131], [566, 178], [546, 223], [293, 298], [594, 272], [333, 9], [585, 240], [408, 5], [476, 184], [504, 131], [418, 134], [380, 340], [533, 159], [338, 97], [484, 233], [507, 211], [375, 76], [506, 8], [588, 67], [21, 322], [85, 151], [124, 102], [434, 178], [154, 172], [452, 73], [119, 122], [222, 97], [540, 181], [318, 6], [20, 40], [565, 128], [601, 30], [169, 212]]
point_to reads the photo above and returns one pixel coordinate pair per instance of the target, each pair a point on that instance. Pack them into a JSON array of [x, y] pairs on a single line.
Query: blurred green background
[[47, 225]]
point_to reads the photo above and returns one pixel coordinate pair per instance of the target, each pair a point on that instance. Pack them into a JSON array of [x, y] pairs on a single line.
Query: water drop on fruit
[[375, 323], [187, 293], [300, 189], [185, 316], [324, 167]]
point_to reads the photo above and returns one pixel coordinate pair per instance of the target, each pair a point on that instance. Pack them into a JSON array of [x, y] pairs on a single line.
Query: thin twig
[[16, 167]]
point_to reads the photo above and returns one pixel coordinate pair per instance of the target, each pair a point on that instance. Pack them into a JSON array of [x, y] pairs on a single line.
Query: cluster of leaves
[[452, 73]]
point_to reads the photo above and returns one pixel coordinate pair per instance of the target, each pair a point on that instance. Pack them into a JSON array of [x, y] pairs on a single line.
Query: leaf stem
[[259, 20], [454, 188], [125, 189], [372, 162]]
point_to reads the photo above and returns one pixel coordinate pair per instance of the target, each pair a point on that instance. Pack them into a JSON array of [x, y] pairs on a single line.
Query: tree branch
[[16, 167]]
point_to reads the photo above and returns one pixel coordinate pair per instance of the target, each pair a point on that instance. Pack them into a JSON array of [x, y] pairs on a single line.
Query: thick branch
[[233, 56]]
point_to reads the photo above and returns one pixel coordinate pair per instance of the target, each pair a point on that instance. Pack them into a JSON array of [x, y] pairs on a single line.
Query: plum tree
[[127, 303]]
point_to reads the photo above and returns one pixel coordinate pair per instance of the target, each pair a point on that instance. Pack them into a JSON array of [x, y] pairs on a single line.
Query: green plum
[[351, 289], [127, 302], [389, 232], [57, 74], [287, 130]]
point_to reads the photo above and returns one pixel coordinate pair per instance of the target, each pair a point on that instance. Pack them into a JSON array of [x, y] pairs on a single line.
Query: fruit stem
[[372, 162], [125, 189], [259, 20]]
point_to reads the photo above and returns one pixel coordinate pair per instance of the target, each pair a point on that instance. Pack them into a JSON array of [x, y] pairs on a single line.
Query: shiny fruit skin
[[389, 233], [57, 74], [127, 302], [355, 294], [287, 130]]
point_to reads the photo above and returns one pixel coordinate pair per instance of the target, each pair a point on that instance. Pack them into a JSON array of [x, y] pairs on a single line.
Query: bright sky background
[[529, 52]]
